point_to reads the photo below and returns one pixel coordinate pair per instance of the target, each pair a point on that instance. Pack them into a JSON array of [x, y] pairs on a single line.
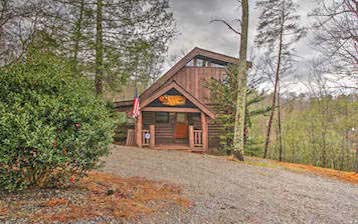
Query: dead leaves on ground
[[3, 209], [337, 174], [350, 177], [97, 195]]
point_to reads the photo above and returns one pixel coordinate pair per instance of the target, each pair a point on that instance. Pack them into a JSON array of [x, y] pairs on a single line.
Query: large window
[[162, 117], [198, 62]]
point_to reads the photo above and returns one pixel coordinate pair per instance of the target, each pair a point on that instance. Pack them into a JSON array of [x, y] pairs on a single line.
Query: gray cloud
[[193, 18]]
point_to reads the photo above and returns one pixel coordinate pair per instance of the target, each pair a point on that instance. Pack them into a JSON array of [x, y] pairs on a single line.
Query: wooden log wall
[[214, 133], [193, 80], [148, 119], [165, 132]]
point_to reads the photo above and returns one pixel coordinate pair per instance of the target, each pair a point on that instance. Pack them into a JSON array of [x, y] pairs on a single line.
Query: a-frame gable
[[183, 62], [182, 91]]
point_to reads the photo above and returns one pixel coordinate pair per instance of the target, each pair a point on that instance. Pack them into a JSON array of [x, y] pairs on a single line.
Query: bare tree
[[241, 106], [336, 37], [336, 33], [99, 47], [18, 23], [278, 30]]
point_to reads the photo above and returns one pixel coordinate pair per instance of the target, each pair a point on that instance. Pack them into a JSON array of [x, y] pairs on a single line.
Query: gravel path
[[229, 192]]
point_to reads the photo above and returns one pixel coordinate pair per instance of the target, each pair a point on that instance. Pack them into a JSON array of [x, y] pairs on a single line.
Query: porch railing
[[198, 138], [145, 140], [148, 136], [195, 137]]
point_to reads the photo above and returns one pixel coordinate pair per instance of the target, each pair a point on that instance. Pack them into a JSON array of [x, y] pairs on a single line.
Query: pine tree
[[135, 35], [108, 40], [223, 95]]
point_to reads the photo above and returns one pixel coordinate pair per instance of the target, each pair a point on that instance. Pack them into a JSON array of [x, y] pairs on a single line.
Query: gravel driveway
[[229, 192]]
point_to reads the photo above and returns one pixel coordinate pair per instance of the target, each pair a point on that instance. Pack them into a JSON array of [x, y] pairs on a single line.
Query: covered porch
[[171, 118], [172, 128]]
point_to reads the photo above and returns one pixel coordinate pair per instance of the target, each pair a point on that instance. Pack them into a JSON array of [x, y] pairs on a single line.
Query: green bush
[[53, 127]]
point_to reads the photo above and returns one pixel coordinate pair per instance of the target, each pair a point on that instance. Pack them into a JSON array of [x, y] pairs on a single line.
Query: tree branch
[[227, 24]]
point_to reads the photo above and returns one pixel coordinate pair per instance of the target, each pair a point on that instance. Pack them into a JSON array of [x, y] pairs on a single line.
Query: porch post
[[152, 136], [204, 127], [191, 137], [138, 129]]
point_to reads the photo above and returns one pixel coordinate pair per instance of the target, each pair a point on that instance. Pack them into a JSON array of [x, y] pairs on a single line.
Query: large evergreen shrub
[[53, 127]]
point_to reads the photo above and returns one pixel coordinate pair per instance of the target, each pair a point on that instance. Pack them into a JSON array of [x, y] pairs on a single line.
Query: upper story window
[[198, 62], [217, 65], [190, 63]]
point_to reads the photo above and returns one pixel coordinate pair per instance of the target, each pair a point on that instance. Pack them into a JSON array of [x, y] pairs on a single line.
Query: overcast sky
[[195, 30]]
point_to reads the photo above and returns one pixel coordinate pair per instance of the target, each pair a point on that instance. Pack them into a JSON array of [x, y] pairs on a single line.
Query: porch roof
[[202, 107]]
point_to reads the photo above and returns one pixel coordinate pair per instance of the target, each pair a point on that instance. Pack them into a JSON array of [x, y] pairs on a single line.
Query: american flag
[[135, 110]]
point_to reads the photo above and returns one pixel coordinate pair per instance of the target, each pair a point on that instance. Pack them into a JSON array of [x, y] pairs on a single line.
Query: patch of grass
[[97, 195], [253, 161], [262, 164]]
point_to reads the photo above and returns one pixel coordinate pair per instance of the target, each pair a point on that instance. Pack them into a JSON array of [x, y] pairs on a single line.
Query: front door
[[181, 126]]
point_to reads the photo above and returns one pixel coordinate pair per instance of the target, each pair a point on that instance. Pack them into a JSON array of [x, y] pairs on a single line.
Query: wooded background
[[122, 44]]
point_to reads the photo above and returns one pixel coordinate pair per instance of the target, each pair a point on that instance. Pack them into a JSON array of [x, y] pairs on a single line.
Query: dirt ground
[[230, 192]]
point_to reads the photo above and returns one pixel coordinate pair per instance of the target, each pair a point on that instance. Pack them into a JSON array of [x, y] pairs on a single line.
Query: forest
[[119, 44]]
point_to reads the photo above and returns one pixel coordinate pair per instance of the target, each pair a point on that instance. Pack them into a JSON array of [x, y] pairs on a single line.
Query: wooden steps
[[172, 147], [199, 151]]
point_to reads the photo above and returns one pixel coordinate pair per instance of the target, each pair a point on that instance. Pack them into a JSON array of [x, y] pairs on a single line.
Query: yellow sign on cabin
[[172, 100]]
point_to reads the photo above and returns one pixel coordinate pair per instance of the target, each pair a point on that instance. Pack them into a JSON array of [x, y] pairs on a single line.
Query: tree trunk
[[77, 38], [279, 133], [277, 80], [356, 160], [239, 131], [246, 132], [99, 48]]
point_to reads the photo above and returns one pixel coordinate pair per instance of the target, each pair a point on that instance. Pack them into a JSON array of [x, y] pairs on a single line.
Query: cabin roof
[[162, 84], [194, 53]]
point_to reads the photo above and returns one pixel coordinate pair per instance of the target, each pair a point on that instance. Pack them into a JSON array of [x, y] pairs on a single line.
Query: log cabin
[[175, 112]]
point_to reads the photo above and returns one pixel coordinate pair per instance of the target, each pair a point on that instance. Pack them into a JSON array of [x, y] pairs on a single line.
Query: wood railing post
[[204, 125], [191, 136], [138, 130], [130, 137], [152, 136]]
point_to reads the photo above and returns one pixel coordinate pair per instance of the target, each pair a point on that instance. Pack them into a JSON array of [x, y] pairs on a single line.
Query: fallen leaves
[[55, 202], [350, 177], [3, 209], [337, 174], [97, 195]]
